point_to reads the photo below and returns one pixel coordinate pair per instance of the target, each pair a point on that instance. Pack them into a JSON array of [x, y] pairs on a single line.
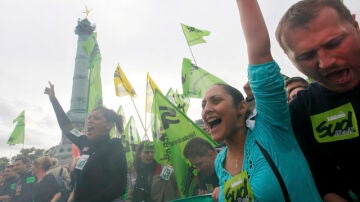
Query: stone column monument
[[79, 96], [78, 107]]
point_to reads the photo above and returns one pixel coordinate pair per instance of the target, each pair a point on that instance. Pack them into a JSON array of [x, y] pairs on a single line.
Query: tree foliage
[[4, 161], [32, 153]]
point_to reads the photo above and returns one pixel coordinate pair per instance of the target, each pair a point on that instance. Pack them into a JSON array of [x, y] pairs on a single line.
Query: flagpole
[[146, 103], [189, 48], [87, 104], [137, 111], [192, 54], [146, 100]]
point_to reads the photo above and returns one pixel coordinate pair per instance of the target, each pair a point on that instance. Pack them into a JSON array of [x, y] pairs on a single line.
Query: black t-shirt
[[208, 182], [8, 187], [45, 190], [326, 125], [24, 188]]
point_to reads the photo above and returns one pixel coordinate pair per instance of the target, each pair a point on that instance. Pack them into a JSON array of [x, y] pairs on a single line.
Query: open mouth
[[213, 122], [339, 77], [90, 128]]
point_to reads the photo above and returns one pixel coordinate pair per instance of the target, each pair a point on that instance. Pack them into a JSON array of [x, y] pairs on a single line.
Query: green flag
[[171, 130], [89, 44], [120, 112], [130, 140], [91, 48], [113, 132], [193, 35], [195, 80], [178, 100], [132, 132], [17, 136]]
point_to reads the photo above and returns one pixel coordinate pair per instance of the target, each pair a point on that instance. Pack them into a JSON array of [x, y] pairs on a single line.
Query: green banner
[[113, 132], [130, 140], [178, 100], [194, 35], [195, 80], [91, 48], [172, 130], [200, 198], [17, 136], [89, 44]]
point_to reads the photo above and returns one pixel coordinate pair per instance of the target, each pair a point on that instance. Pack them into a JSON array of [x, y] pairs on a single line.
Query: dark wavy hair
[[112, 117], [235, 93]]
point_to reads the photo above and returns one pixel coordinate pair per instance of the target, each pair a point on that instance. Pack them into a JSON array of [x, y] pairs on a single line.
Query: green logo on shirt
[[238, 188], [336, 124], [30, 180]]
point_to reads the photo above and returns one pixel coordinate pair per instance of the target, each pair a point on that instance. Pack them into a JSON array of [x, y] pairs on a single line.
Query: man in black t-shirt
[[202, 155], [8, 187], [25, 184], [322, 39]]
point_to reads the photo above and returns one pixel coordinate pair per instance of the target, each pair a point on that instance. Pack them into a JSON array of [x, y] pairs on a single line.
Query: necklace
[[237, 160]]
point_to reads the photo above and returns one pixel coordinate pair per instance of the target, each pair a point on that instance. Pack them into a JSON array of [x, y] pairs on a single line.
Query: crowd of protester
[[285, 141]]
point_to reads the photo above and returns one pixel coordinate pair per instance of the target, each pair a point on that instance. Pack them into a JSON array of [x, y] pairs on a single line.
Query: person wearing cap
[[152, 184]]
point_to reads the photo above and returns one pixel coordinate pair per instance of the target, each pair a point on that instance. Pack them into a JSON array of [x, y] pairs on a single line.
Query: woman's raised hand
[[50, 90]]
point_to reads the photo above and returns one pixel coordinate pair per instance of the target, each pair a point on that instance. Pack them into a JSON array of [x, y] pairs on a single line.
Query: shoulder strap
[[276, 172], [61, 171]]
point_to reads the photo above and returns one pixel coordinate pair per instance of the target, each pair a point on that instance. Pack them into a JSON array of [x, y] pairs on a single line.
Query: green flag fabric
[[195, 80], [113, 132], [130, 140], [132, 132], [178, 100], [17, 136], [199, 198], [171, 130], [91, 48], [89, 44], [194, 35]]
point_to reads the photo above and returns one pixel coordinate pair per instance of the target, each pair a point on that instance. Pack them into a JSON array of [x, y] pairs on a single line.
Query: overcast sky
[[38, 44]]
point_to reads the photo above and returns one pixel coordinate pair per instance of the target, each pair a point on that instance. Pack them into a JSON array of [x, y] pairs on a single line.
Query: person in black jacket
[[101, 169]]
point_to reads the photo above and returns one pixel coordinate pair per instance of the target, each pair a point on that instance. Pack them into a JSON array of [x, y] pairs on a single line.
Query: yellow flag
[[150, 88], [122, 85]]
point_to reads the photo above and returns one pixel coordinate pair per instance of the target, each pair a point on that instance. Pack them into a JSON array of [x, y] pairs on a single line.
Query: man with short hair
[[26, 181], [201, 155], [293, 85], [9, 184], [322, 39]]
